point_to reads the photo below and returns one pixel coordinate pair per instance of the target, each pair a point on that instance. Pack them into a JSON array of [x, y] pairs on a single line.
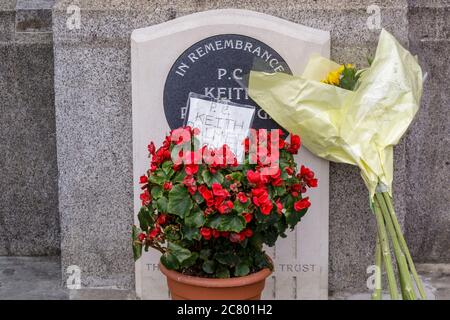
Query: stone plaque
[[212, 67], [205, 53]]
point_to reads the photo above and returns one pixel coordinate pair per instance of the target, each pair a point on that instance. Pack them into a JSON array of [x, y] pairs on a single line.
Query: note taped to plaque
[[220, 122]]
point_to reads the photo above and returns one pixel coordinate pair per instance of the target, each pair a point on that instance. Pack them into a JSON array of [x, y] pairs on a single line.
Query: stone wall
[[428, 142], [29, 220]]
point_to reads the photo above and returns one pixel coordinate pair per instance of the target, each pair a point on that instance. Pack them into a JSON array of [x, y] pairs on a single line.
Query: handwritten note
[[220, 122]]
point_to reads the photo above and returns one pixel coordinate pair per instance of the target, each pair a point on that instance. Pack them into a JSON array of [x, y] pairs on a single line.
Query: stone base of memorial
[[184, 287]]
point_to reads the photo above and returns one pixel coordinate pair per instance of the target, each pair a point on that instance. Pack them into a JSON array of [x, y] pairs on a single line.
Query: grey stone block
[[29, 219], [428, 224]]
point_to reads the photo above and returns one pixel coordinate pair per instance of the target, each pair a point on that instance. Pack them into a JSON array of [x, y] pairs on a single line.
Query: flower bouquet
[[210, 216], [356, 117]]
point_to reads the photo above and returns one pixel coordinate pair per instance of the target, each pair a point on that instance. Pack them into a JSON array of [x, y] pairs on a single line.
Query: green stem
[[393, 290], [404, 246], [377, 294], [405, 277]]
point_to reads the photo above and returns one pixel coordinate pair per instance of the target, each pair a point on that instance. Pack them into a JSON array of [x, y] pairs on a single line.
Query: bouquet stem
[[387, 223], [404, 275], [378, 260], [386, 252], [403, 245]]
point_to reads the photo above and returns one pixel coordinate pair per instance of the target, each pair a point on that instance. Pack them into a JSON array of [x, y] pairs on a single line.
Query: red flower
[[248, 217], [225, 207], [306, 172], [279, 206], [205, 192], [180, 135], [294, 194], [206, 233], [218, 191], [191, 169], [225, 234], [154, 233], [242, 197], [296, 187], [253, 176], [237, 237], [189, 181], [278, 182], [259, 191], [289, 171], [196, 131], [143, 179], [246, 145], [248, 232], [192, 190], [276, 175], [146, 198], [167, 185], [266, 208], [151, 148], [295, 144], [162, 219], [215, 233], [141, 236], [261, 198], [302, 204], [312, 183], [308, 176], [208, 211]]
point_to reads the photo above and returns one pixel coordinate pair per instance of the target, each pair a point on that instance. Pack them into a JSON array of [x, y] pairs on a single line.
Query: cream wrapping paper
[[357, 127]]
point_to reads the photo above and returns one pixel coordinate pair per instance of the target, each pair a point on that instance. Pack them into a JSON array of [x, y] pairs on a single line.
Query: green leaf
[[349, 78], [198, 198], [209, 266], [167, 168], [190, 233], [179, 252], [242, 269], [240, 207], [229, 222], [145, 218], [205, 254], [280, 191], [161, 204], [189, 262], [222, 272], [180, 202], [179, 176], [157, 192], [195, 218], [227, 258], [293, 217], [158, 177], [137, 246], [257, 241], [210, 178], [172, 233], [169, 261], [236, 176]]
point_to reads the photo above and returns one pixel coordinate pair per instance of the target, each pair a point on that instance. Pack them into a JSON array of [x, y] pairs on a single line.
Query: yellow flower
[[334, 77]]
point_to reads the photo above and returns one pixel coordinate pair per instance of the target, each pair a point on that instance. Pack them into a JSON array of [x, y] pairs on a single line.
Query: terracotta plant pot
[[183, 287]]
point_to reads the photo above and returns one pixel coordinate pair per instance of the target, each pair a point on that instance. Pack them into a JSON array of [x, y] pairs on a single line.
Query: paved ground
[[27, 278], [31, 278]]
